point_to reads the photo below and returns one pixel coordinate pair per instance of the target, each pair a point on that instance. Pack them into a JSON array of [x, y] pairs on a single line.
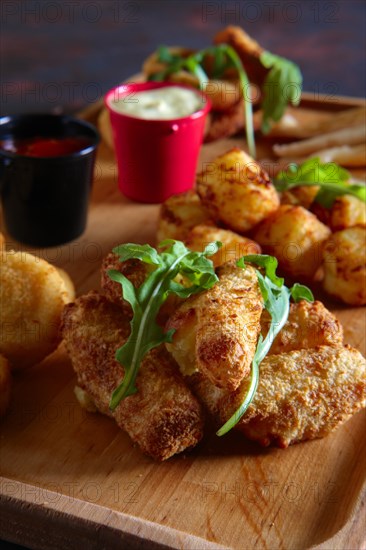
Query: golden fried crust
[[345, 265], [135, 271], [347, 211], [247, 49], [226, 123], [301, 395], [309, 324], [163, 417], [237, 191], [32, 297], [179, 214], [217, 331], [296, 237], [234, 246]]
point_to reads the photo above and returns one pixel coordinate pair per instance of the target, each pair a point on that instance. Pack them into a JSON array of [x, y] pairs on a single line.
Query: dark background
[[60, 55], [63, 54]]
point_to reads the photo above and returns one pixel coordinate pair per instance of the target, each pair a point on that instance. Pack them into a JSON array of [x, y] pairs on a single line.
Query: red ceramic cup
[[155, 158]]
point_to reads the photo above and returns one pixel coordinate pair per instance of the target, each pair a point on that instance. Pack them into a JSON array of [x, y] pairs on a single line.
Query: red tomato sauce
[[45, 147]]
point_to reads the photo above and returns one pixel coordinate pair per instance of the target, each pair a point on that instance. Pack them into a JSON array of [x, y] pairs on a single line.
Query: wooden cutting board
[[71, 478]]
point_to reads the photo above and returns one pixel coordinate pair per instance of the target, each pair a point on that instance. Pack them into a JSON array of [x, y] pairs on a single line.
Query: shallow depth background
[[60, 55]]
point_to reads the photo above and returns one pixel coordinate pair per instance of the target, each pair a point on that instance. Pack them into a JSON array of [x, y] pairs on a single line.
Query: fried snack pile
[[235, 200], [163, 417], [310, 382]]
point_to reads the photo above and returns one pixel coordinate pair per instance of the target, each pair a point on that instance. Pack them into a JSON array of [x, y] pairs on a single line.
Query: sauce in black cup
[[46, 172]]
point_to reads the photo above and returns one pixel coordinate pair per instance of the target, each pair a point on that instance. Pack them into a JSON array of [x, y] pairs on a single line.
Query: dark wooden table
[[58, 56]]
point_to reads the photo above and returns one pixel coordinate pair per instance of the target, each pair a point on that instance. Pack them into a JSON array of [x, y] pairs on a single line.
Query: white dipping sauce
[[165, 103]]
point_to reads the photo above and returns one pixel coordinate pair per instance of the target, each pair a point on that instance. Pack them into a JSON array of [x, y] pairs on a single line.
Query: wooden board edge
[[330, 102], [350, 535], [45, 524]]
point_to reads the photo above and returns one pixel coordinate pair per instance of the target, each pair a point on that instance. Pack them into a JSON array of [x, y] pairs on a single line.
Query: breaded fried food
[[5, 385], [217, 330], [237, 191], [308, 325], [234, 246], [345, 266], [301, 395], [225, 123], [223, 93], [179, 214], [300, 196], [347, 211], [247, 49], [135, 271], [32, 297], [296, 238], [163, 417]]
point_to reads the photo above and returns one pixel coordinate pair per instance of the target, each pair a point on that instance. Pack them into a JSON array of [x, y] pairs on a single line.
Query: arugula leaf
[[146, 300], [332, 179], [224, 57], [276, 297], [282, 86]]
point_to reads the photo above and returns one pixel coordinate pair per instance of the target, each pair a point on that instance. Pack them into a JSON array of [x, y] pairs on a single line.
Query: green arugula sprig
[[175, 259], [333, 181], [225, 57], [282, 86], [276, 297]]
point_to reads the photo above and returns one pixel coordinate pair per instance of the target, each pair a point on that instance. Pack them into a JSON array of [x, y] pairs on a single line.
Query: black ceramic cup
[[45, 198]]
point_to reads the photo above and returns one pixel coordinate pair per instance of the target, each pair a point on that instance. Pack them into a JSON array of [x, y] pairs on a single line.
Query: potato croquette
[[301, 395], [217, 330], [345, 266], [296, 237], [236, 191], [163, 417], [32, 297], [234, 246], [179, 214]]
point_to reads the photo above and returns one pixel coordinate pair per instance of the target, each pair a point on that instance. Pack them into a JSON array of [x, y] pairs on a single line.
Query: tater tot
[[237, 191], [234, 246], [296, 237], [345, 266], [179, 214]]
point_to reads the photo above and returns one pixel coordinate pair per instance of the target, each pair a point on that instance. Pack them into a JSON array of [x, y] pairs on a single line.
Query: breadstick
[[350, 136]]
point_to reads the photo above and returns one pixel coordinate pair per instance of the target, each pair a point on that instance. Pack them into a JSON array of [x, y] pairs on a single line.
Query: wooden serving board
[[72, 478]]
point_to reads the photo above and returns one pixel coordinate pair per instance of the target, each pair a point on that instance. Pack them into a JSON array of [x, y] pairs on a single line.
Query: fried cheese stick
[[163, 417], [309, 324], [217, 330], [302, 394]]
